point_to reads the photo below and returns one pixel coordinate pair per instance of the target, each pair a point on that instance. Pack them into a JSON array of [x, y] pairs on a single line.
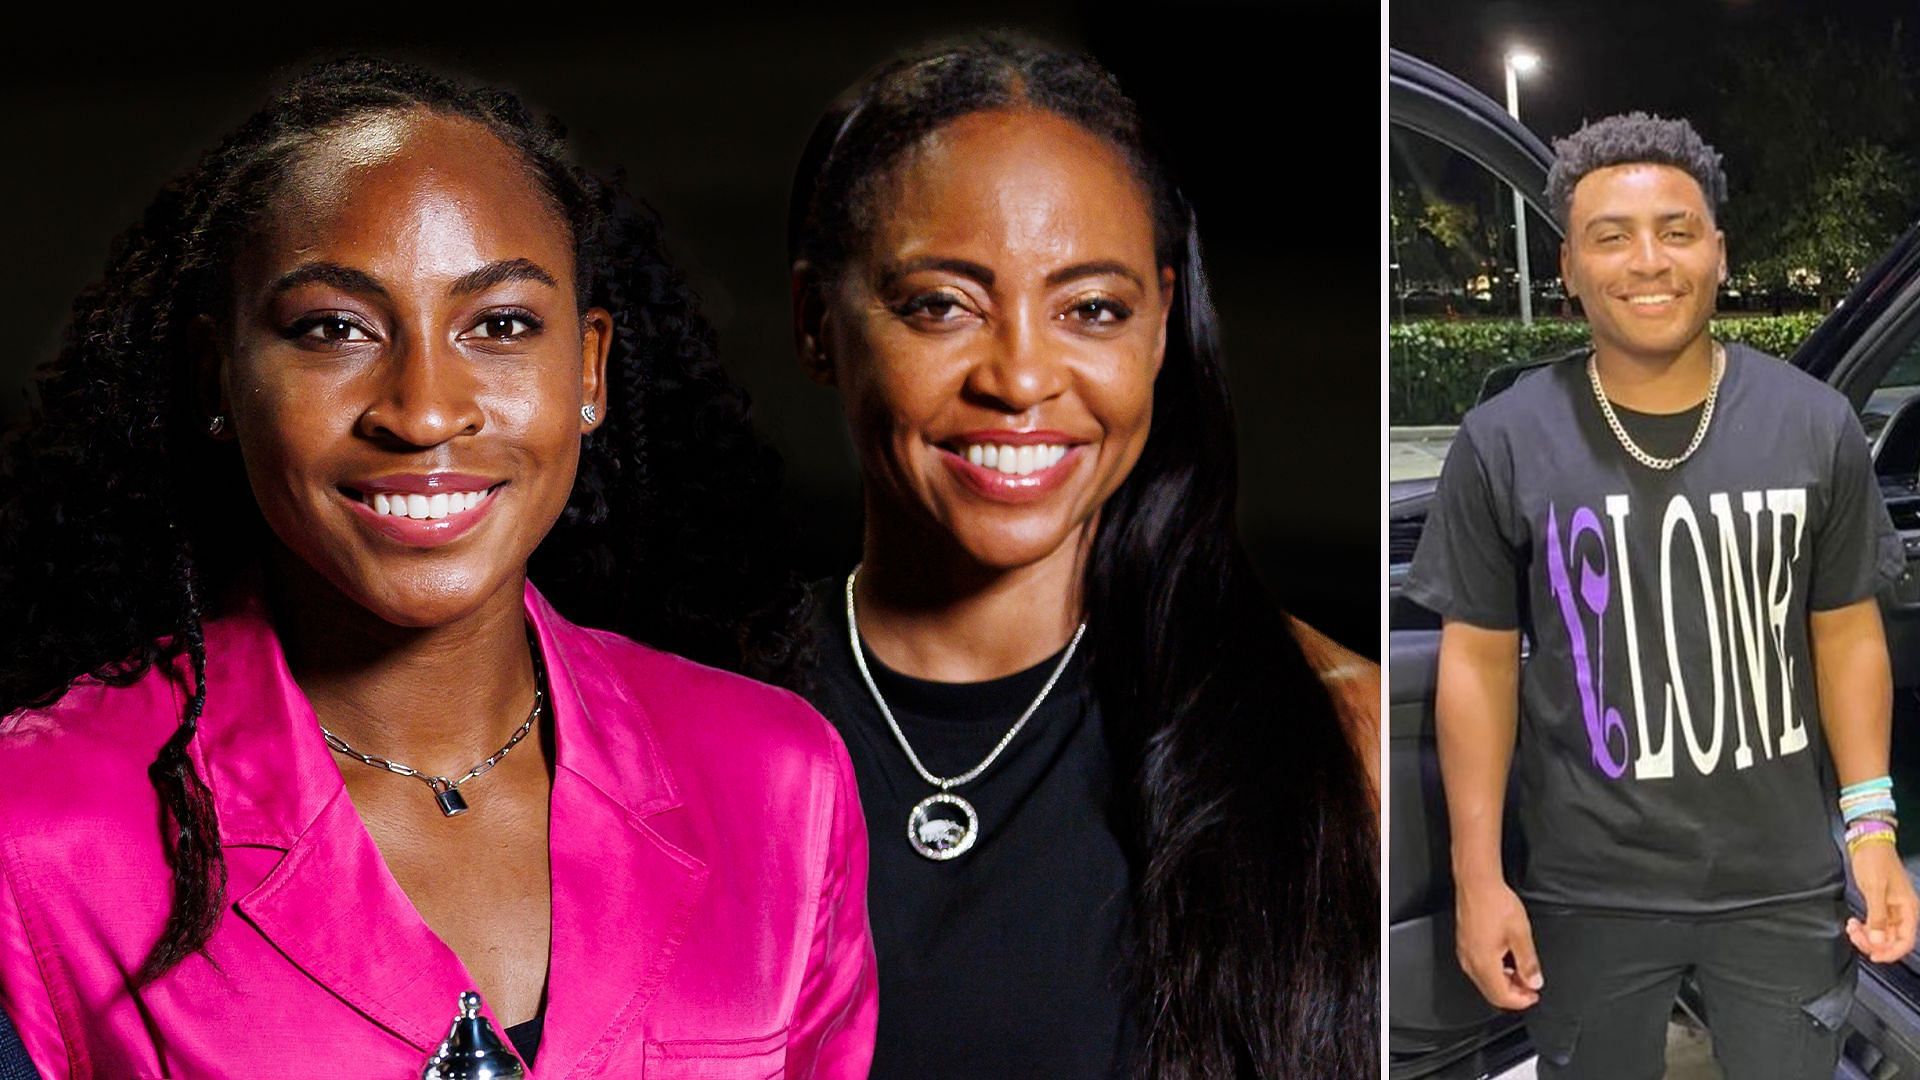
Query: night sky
[[707, 113], [1606, 56], [1673, 57]]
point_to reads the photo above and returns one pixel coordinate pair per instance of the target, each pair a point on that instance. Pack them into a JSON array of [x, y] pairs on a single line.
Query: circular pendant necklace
[[1699, 432], [931, 829]]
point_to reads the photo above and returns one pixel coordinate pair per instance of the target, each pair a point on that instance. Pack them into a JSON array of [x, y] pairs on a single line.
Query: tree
[[1815, 122], [1857, 207]]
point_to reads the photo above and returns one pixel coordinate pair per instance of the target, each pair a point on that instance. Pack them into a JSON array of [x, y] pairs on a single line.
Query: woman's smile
[[997, 343], [421, 510], [1013, 467], [407, 369]]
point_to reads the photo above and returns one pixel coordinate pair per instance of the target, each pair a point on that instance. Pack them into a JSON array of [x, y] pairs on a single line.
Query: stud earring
[[590, 414], [217, 424]]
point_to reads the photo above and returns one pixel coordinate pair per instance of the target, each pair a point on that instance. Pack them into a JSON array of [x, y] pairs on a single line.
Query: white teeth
[[1647, 300], [423, 507], [1015, 460]]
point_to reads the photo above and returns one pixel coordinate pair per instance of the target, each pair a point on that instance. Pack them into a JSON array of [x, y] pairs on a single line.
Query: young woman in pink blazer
[[296, 751]]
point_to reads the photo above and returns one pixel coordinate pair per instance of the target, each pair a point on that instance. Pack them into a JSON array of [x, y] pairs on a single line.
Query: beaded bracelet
[[1868, 810], [1855, 843]]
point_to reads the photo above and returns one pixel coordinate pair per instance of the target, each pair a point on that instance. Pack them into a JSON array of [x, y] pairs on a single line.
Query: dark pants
[[1777, 984]]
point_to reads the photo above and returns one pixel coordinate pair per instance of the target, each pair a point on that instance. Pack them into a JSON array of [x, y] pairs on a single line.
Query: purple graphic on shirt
[[1589, 666]]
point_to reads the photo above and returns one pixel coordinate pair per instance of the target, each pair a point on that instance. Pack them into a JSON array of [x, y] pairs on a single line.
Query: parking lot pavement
[[1416, 453], [1689, 1054]]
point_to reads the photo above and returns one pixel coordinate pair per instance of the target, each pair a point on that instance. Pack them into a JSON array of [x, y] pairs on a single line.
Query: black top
[[1007, 960], [1670, 757], [1664, 435], [525, 1036]]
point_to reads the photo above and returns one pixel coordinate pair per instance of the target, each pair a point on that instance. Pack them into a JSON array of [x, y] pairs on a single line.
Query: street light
[[1519, 61]]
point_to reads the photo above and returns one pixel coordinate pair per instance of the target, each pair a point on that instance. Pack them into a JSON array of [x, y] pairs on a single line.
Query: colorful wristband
[[1854, 810], [1878, 783], [1873, 796], [1857, 843]]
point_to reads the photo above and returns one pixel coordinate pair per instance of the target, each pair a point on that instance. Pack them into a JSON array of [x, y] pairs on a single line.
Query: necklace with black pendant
[[446, 792]]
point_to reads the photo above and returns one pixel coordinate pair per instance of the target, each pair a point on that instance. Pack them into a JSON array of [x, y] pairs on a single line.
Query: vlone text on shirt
[[1743, 614]]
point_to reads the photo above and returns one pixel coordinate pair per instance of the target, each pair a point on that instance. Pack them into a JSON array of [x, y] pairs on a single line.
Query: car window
[[1901, 382], [1453, 295]]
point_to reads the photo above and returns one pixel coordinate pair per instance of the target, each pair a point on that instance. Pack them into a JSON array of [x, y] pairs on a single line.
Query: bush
[[1434, 368]]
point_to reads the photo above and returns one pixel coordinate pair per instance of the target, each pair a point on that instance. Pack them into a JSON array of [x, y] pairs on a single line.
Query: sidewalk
[[1416, 453]]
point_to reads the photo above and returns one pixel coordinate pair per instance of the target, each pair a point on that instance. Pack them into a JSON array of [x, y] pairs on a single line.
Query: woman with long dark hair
[[1122, 806], [295, 752]]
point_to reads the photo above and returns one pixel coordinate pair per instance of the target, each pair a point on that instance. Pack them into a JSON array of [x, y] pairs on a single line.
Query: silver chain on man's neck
[[938, 838], [1699, 431]]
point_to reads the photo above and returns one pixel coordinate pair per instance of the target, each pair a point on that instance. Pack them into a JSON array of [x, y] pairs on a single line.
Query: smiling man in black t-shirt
[[1689, 537]]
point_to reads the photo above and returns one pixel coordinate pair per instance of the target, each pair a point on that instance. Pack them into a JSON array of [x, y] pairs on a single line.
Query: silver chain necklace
[[446, 793], [944, 838], [1699, 431]]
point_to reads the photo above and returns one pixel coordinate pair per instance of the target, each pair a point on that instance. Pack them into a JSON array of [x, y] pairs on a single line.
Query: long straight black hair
[[1256, 859]]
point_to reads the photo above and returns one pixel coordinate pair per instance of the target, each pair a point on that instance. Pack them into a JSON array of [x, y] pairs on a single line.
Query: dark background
[[1690, 58], [1785, 90], [708, 114]]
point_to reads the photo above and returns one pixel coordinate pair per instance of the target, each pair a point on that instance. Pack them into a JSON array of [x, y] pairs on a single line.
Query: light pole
[[1519, 61]]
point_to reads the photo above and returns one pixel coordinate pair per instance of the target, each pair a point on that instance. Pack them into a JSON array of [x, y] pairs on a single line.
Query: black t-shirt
[[1006, 961], [1670, 757], [1663, 435]]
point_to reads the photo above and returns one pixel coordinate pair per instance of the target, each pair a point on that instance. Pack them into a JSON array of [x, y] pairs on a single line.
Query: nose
[[425, 394], [1649, 256], [1017, 367]]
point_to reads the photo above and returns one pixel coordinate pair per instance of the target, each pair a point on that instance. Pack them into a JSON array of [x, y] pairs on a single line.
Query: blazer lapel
[[622, 893], [334, 909], [330, 905], [622, 897]]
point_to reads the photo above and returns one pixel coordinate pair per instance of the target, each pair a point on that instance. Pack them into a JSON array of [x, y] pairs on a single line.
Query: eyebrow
[[340, 277], [984, 276], [896, 271], [499, 273], [1095, 269], [1623, 219], [347, 279]]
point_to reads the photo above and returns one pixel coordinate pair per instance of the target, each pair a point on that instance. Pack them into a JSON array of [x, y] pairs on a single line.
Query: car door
[[1869, 349], [1438, 1025]]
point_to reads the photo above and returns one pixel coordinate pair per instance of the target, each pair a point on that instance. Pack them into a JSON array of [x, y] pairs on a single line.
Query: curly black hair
[[1246, 809], [119, 521], [1634, 138]]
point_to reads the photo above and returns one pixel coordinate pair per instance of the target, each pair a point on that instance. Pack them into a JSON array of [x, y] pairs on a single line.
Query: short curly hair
[[1634, 138]]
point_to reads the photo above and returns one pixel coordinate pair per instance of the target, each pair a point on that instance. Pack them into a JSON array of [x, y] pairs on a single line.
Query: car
[[1869, 350]]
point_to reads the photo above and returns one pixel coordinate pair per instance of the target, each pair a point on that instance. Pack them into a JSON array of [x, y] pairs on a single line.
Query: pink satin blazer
[[709, 871]]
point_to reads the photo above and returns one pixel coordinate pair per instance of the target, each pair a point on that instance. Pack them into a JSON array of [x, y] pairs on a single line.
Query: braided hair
[[1247, 812], [119, 517]]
